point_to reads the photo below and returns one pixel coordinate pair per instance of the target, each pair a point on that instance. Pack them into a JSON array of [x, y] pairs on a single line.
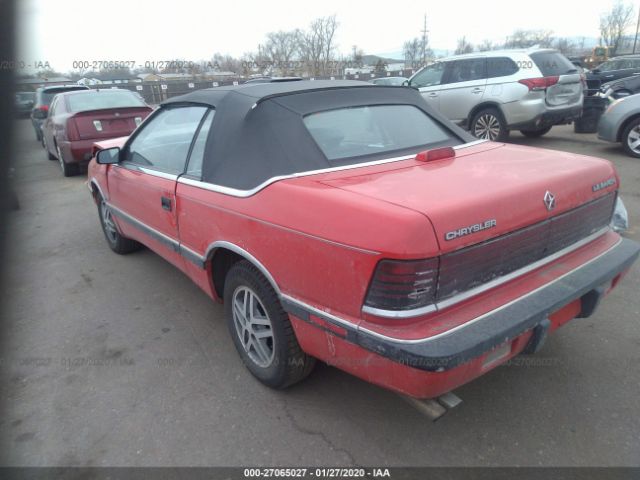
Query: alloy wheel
[[633, 139], [253, 326], [487, 127], [107, 222]]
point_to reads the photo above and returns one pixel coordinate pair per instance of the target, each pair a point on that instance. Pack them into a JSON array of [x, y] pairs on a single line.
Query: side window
[[465, 70], [626, 63], [429, 76], [164, 141], [610, 65], [500, 67], [194, 168]]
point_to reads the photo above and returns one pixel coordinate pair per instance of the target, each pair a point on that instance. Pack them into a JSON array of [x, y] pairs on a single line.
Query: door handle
[[433, 95], [166, 203], [477, 90]]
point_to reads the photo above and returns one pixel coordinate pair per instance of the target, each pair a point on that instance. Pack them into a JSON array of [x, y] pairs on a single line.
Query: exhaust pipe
[[434, 408]]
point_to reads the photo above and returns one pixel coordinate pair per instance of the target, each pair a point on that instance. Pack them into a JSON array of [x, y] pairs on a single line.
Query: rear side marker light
[[98, 125], [403, 284], [436, 154], [536, 84]]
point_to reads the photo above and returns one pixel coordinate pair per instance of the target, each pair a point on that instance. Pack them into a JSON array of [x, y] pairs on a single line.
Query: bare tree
[[380, 68], [281, 48], [565, 45], [486, 45], [225, 63], [356, 55], [464, 46], [318, 45], [529, 38], [614, 23], [412, 53]]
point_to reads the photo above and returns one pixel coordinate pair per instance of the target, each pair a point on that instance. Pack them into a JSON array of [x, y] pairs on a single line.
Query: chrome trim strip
[[243, 253], [161, 237], [477, 319], [156, 173], [399, 313], [149, 171], [320, 313], [93, 181], [247, 193], [510, 276]]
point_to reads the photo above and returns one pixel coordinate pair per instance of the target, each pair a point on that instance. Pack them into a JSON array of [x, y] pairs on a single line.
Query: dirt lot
[[115, 360]]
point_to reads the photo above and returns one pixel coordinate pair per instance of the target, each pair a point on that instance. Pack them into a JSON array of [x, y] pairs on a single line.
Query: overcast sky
[[62, 31]]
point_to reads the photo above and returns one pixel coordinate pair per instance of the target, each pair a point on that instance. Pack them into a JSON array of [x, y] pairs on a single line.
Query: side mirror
[[108, 156], [406, 83]]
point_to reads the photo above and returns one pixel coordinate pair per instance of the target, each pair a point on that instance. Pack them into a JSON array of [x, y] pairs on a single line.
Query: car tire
[[265, 341], [630, 134], [68, 169], [119, 244], [489, 124], [535, 133]]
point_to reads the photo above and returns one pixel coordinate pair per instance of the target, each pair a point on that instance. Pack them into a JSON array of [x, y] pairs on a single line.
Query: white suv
[[491, 93]]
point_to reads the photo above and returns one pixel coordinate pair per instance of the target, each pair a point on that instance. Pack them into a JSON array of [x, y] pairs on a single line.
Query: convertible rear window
[[103, 99], [370, 130]]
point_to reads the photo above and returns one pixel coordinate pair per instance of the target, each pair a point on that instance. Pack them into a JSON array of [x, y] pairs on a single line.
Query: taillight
[[44, 108], [403, 284], [72, 130], [539, 83]]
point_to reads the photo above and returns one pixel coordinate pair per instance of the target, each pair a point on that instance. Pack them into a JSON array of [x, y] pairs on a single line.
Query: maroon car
[[77, 119]]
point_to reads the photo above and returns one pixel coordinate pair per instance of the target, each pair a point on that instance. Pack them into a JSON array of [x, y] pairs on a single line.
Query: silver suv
[[493, 92]]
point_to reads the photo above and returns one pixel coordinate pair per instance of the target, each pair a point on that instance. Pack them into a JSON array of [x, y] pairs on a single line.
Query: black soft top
[[258, 131]]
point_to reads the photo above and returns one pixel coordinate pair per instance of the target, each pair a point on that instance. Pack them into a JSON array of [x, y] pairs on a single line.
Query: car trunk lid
[[486, 191], [108, 123]]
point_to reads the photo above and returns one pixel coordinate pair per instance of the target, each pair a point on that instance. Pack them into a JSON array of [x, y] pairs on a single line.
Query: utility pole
[[635, 40], [424, 41]]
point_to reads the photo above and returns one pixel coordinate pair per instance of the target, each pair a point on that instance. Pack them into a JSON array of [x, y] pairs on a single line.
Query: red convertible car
[[78, 118], [350, 223]]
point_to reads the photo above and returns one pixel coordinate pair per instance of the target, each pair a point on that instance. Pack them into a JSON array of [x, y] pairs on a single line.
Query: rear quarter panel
[[319, 243]]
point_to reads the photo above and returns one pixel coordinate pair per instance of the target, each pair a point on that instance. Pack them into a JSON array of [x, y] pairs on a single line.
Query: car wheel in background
[[631, 138], [535, 133], [261, 329], [117, 242], [68, 169], [488, 124]]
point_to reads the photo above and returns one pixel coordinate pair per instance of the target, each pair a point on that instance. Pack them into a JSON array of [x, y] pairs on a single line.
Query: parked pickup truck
[[351, 223]]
